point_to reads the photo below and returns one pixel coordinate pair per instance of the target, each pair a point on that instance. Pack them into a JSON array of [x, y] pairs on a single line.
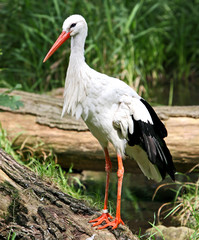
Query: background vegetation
[[152, 45]]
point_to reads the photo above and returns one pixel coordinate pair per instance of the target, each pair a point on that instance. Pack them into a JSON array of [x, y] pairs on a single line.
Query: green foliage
[[154, 41], [12, 235], [13, 102], [6, 144]]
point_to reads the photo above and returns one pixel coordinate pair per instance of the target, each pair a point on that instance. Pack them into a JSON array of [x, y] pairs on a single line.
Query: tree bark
[[34, 209], [39, 121]]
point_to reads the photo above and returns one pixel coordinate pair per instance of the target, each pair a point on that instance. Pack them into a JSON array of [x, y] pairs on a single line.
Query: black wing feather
[[150, 138], [159, 126]]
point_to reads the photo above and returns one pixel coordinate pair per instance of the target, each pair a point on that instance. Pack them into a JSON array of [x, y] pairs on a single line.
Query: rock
[[170, 233]]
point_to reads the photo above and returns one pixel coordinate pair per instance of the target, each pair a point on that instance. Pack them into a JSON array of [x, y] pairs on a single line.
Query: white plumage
[[113, 111]]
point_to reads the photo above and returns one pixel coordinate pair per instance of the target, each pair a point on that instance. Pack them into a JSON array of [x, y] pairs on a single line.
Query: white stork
[[114, 113]]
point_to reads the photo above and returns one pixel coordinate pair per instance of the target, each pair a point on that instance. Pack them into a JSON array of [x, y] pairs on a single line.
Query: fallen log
[[31, 208], [39, 120]]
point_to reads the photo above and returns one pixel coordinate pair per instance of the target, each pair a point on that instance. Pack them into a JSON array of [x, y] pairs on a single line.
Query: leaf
[[17, 86], [13, 102]]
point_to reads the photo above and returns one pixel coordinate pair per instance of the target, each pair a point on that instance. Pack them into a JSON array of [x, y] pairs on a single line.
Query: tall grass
[[155, 41]]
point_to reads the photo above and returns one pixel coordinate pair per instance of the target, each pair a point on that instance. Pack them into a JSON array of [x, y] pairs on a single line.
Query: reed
[[155, 41]]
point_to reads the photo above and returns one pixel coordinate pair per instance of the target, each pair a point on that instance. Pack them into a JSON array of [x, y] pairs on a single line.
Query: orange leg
[[120, 174], [105, 215]]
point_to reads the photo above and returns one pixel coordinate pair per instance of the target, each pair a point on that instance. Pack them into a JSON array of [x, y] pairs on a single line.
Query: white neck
[[75, 85], [77, 47]]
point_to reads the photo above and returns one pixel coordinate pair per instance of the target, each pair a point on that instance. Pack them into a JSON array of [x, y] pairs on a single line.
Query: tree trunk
[[33, 209], [39, 121]]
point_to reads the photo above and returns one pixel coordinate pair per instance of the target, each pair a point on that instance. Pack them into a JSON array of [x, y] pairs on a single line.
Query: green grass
[[44, 164], [184, 210], [153, 41]]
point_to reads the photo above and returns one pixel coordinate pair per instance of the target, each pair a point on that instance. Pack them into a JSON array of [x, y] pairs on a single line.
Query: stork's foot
[[114, 224], [104, 217]]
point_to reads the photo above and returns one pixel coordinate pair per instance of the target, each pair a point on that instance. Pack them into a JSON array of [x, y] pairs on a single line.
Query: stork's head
[[75, 24], [72, 26]]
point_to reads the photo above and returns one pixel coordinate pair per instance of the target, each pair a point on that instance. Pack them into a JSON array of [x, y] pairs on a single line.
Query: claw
[[104, 217], [114, 224]]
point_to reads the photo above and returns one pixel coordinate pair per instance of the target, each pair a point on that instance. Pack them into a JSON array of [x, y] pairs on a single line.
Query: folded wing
[[139, 124]]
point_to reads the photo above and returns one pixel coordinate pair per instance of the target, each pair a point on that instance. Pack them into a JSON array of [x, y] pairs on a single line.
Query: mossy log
[[39, 120], [32, 208]]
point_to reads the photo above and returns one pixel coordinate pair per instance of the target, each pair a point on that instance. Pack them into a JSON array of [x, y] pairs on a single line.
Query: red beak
[[60, 40]]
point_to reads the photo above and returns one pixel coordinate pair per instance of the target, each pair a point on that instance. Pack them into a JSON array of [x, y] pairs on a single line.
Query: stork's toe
[[114, 224], [104, 217]]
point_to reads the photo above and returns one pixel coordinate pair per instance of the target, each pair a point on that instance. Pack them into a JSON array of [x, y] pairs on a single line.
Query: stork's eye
[[73, 25]]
